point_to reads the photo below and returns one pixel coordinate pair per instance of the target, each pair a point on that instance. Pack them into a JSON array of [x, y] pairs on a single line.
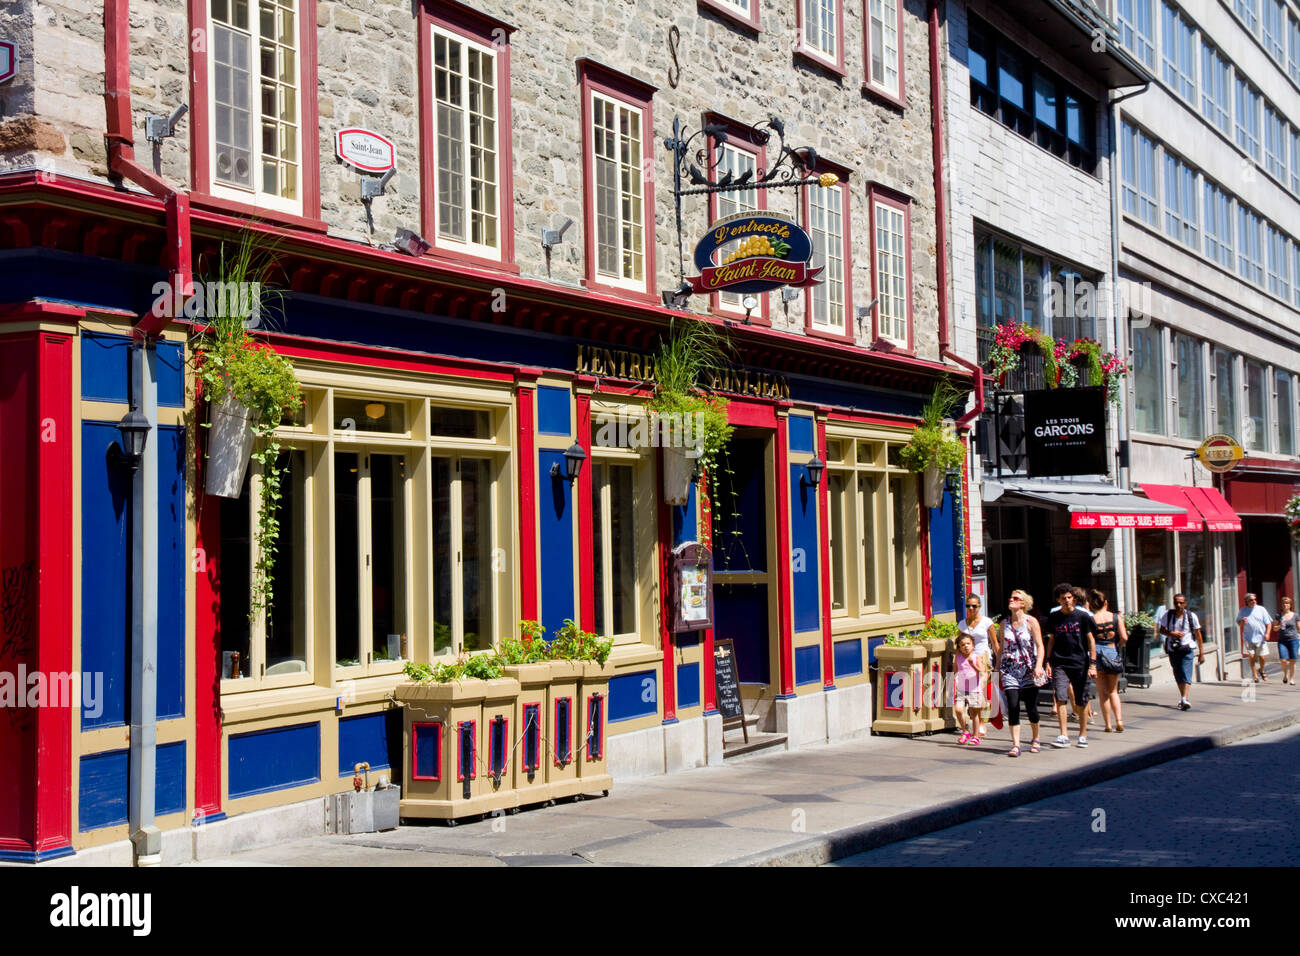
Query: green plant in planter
[[689, 356], [1139, 620], [903, 640], [530, 648], [931, 444], [231, 363], [936, 629], [571, 643]]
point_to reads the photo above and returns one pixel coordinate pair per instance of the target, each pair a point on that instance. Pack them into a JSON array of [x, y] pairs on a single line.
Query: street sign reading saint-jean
[[753, 252], [8, 60]]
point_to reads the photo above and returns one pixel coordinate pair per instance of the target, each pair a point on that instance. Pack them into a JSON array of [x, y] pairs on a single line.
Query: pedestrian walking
[[1288, 640], [1071, 660], [1111, 637], [1182, 633], [969, 699], [1020, 666], [1255, 622], [976, 626]]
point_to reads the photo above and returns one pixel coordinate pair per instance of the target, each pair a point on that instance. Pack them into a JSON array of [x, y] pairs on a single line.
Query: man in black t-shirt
[[1071, 659]]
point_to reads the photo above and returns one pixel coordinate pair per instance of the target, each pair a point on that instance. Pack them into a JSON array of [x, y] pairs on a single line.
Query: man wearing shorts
[[1071, 659], [1255, 623], [1180, 626]]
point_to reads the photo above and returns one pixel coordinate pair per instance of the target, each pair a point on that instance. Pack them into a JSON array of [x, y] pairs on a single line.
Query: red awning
[[1218, 514], [1206, 508]]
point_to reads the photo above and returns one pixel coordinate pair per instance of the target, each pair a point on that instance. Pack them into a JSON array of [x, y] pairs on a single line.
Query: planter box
[[593, 689], [532, 705], [563, 741], [230, 442], [448, 747], [936, 708], [899, 706]]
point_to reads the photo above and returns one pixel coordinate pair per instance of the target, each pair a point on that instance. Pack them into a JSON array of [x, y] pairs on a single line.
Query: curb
[[849, 841]]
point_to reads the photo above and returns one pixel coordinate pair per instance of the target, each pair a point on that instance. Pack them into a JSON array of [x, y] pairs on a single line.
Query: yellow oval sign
[[1219, 453]]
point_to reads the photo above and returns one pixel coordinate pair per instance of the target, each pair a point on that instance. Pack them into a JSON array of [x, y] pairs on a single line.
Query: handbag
[[1174, 646], [1108, 660]]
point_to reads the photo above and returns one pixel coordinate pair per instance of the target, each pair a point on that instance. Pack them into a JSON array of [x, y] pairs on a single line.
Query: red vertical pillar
[[785, 603], [525, 403], [823, 509], [710, 688], [582, 506], [207, 652], [926, 596], [664, 550]]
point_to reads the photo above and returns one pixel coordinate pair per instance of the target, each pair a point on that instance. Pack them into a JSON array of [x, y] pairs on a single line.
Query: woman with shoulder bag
[[1111, 637], [1288, 640], [1020, 663]]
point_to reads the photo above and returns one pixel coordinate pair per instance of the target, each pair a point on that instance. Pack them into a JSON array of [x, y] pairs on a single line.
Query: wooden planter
[[899, 706], [563, 740], [593, 689], [937, 708], [532, 778]]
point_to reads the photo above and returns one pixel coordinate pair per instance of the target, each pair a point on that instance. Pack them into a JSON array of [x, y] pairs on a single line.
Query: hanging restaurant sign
[[1219, 453], [364, 150], [753, 253], [1065, 432]]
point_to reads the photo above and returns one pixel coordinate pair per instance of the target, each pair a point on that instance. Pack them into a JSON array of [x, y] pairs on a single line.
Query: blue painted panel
[[685, 524], [370, 739], [633, 695], [172, 563], [806, 552], [808, 664], [872, 644], [555, 498], [171, 377], [688, 685], [848, 657], [105, 786], [943, 557], [266, 760], [553, 410], [801, 434], [740, 515], [105, 574], [740, 613], [105, 367]]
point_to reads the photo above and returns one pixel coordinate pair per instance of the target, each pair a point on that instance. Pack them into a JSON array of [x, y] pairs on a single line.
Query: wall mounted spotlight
[[750, 303], [864, 311], [815, 469], [677, 298], [788, 295], [372, 188], [574, 456], [159, 128], [552, 238], [412, 243]]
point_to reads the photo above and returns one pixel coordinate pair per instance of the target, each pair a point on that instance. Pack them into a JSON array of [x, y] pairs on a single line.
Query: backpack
[[1174, 646]]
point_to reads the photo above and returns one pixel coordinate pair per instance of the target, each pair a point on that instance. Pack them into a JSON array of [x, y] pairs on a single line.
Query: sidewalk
[[814, 805]]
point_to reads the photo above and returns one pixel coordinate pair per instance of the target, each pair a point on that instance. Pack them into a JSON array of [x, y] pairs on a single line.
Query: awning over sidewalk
[[1090, 504], [1206, 508]]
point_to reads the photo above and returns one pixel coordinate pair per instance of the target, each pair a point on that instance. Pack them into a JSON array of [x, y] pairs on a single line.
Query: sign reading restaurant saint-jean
[[750, 252], [365, 150], [619, 363]]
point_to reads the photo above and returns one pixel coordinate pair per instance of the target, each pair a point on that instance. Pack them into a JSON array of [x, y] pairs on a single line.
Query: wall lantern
[[574, 456], [135, 432], [815, 469]]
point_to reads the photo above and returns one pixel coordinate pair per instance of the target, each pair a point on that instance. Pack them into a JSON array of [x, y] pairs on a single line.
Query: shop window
[[464, 536], [447, 422], [892, 276], [255, 77], [369, 415], [835, 487], [613, 508], [1216, 88], [1256, 421], [821, 29], [1191, 387], [271, 648], [1285, 412], [826, 211], [1137, 28], [1148, 379], [1225, 393], [884, 47]]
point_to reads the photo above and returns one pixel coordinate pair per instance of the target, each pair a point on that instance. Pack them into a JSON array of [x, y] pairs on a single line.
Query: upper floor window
[[1294, 136], [1179, 43], [1248, 10], [1191, 386], [1225, 392], [821, 30], [892, 273], [1248, 103], [1148, 378], [743, 11], [1181, 219], [1250, 259], [255, 151], [1293, 47], [1137, 29], [826, 213], [1138, 165], [618, 142], [1257, 399], [1216, 88], [741, 158], [1016, 284], [1285, 412], [1218, 225], [1275, 143], [884, 47], [1279, 264], [1274, 22]]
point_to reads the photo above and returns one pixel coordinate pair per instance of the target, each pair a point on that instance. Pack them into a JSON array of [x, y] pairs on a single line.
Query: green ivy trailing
[[932, 445], [229, 362]]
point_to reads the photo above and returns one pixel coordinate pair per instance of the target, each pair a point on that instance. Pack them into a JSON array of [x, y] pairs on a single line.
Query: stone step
[[734, 745]]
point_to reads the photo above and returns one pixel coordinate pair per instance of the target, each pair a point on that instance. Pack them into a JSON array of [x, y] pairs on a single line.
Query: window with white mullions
[[1181, 218], [1191, 386], [619, 207], [1138, 166], [1250, 258], [465, 145], [1248, 101], [891, 272], [1285, 412], [1257, 396], [1275, 143], [820, 29], [1293, 46], [883, 34], [1225, 393], [1273, 25], [1216, 88], [1279, 263], [613, 508], [826, 227], [1137, 28], [1178, 40], [464, 532], [1248, 10], [1293, 135], [256, 151], [737, 162], [1218, 224]]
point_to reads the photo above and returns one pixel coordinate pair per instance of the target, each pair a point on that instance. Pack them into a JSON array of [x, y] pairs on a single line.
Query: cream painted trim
[[102, 739], [875, 625], [628, 656]]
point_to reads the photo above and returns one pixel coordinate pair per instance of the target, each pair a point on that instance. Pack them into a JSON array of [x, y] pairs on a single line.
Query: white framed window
[[1138, 165], [1248, 10], [1273, 27], [1295, 271], [618, 490], [1293, 135], [1216, 88], [883, 38], [1190, 384], [1279, 263], [1293, 46], [1181, 219], [890, 222], [1225, 392], [1284, 393], [738, 162], [827, 300], [1178, 40], [1218, 224], [617, 182], [253, 76], [1247, 116], [466, 145], [1137, 29], [821, 32], [1256, 422], [1250, 257], [1275, 143], [1149, 371]]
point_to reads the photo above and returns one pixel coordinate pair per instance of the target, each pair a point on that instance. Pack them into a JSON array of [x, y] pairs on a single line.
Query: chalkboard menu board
[[726, 678]]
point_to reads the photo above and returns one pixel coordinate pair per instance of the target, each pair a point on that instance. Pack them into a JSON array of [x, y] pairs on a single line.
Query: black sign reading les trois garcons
[[1065, 432]]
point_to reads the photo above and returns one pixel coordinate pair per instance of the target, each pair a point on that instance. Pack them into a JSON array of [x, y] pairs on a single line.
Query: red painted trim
[[926, 597], [599, 739], [598, 78], [207, 644], [582, 505], [710, 686], [664, 550], [473, 752], [744, 138], [868, 86], [415, 749], [965, 513], [849, 335], [324, 351], [751, 414], [816, 57], [487, 30], [785, 602], [877, 194], [525, 404], [892, 421], [823, 511], [309, 131], [732, 15], [555, 730], [536, 729]]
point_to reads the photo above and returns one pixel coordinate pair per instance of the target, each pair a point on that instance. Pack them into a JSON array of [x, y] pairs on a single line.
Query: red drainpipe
[[941, 217], [121, 160]]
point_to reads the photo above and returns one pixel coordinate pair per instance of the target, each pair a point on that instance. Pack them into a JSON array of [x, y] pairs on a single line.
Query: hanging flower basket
[[932, 486], [1292, 511], [230, 442], [679, 466]]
